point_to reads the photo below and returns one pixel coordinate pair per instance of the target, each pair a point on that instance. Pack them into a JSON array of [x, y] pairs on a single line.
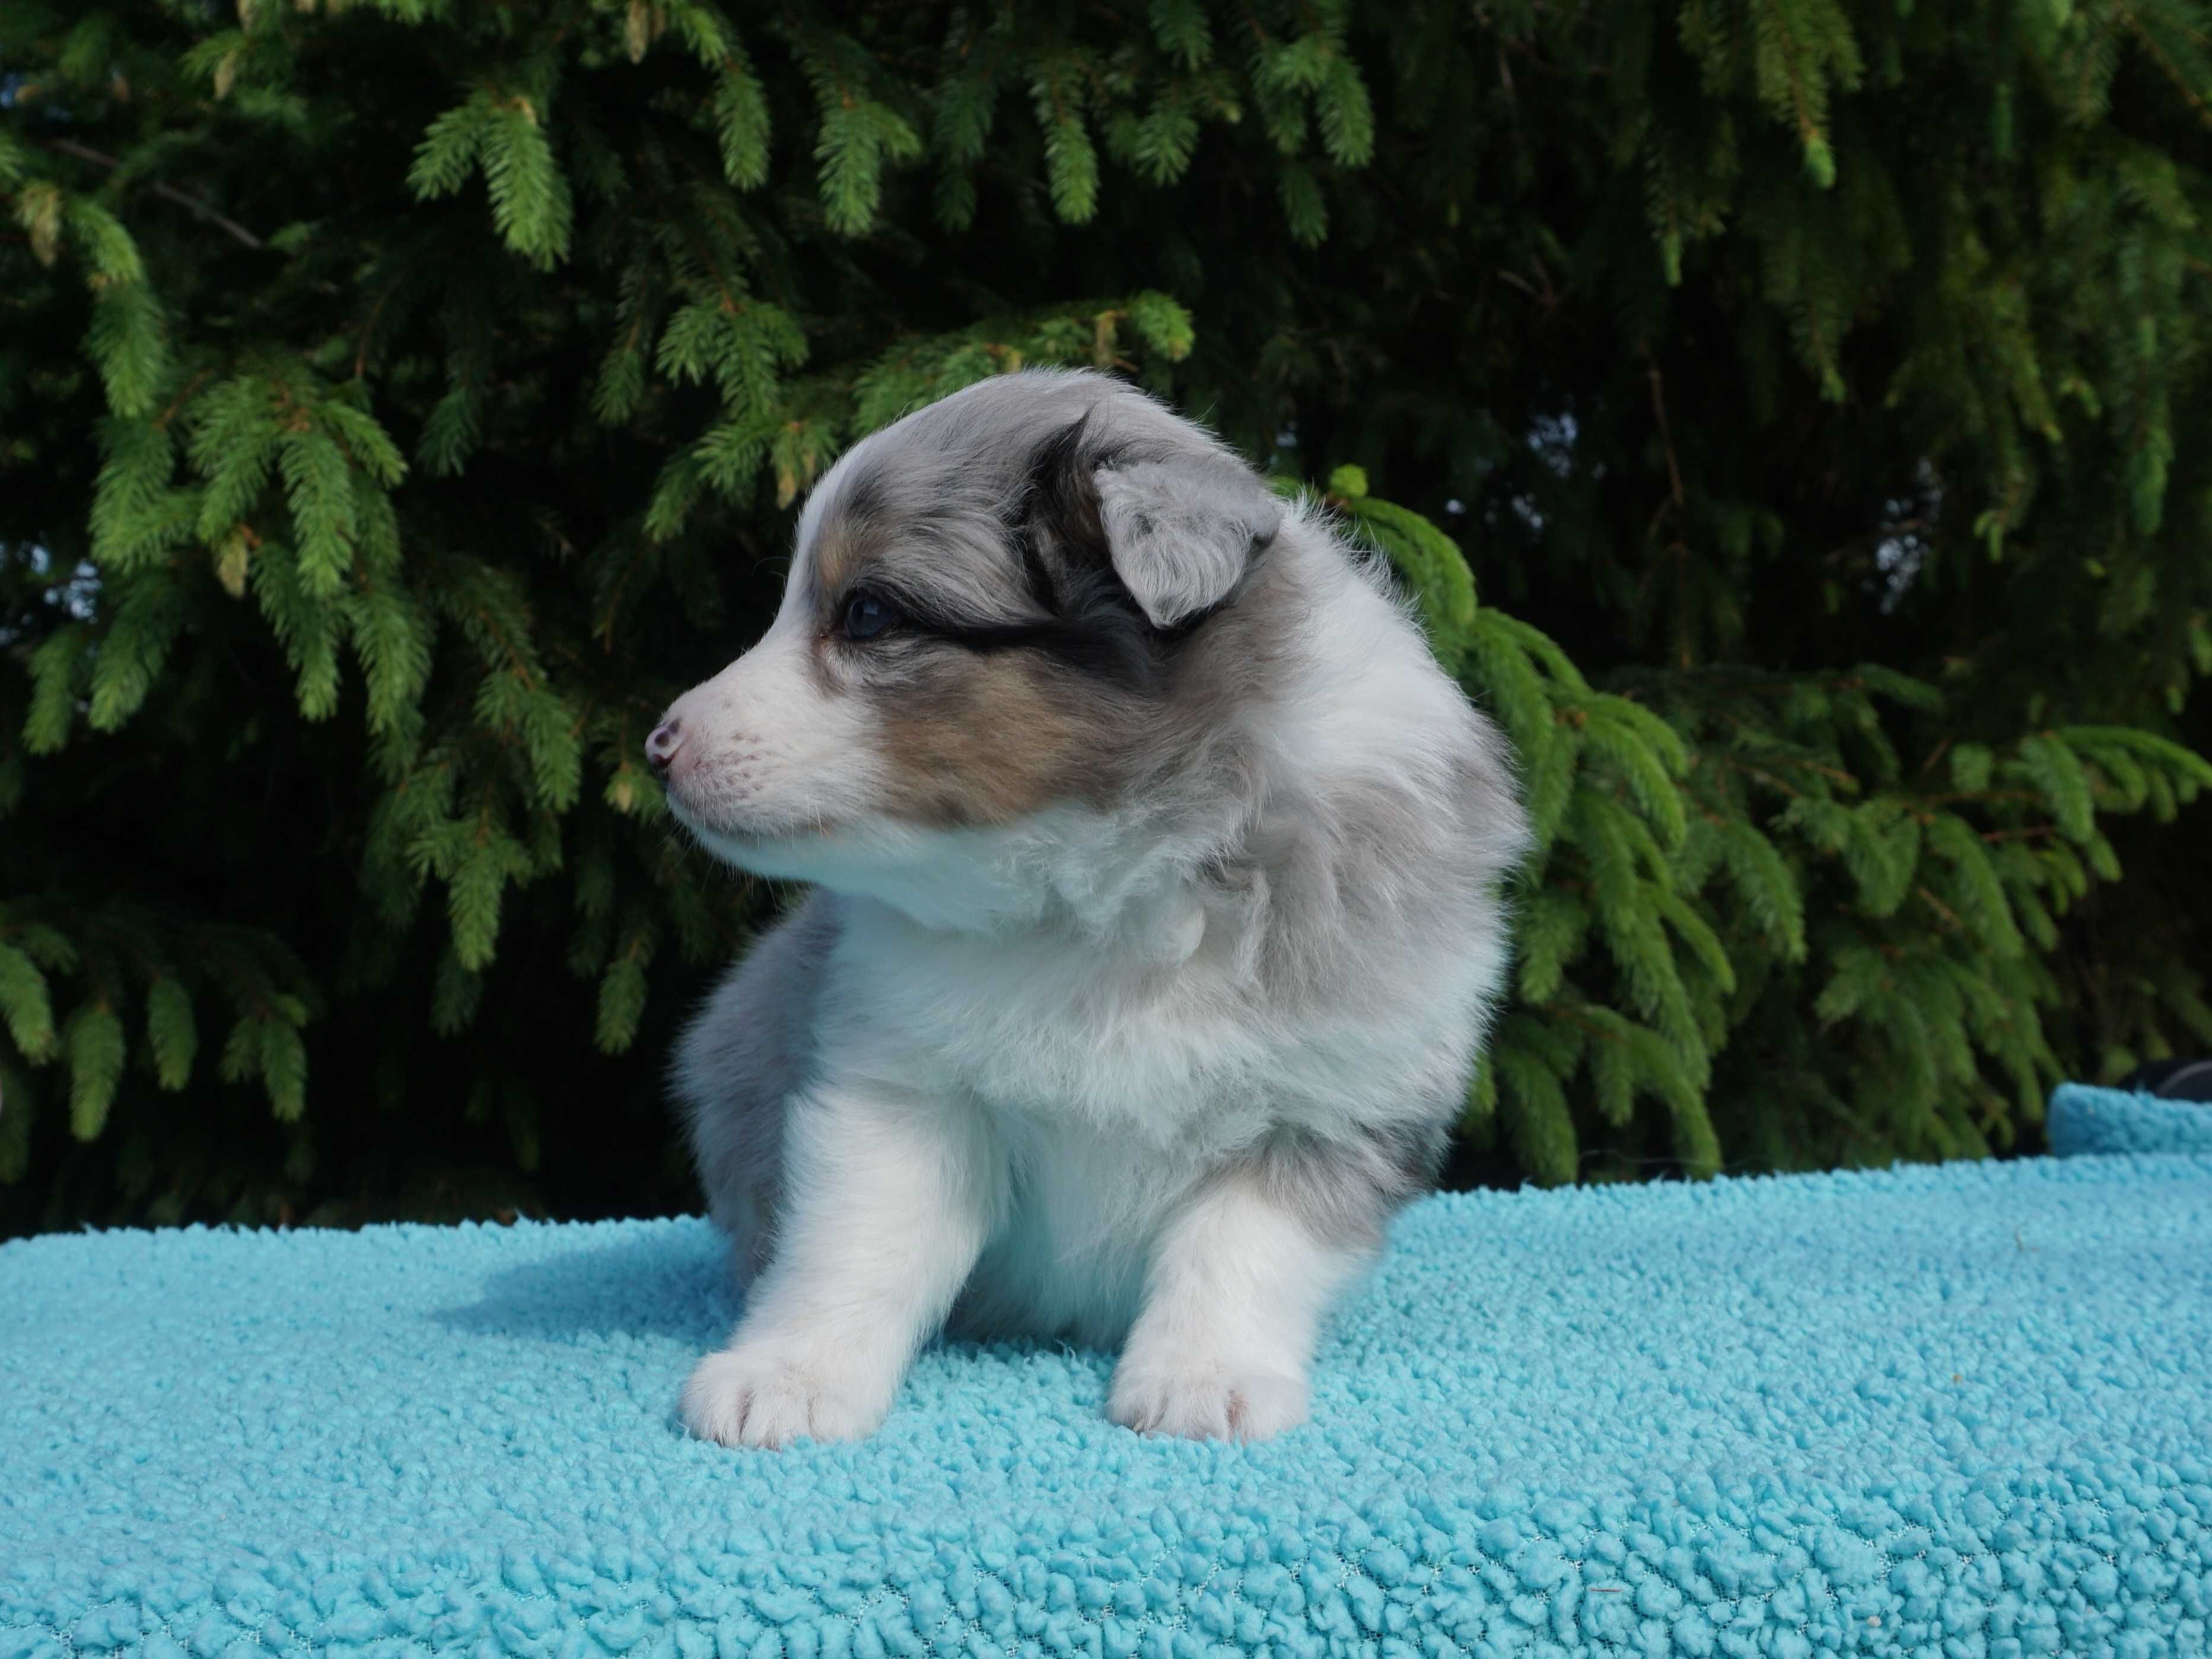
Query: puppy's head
[[991, 612]]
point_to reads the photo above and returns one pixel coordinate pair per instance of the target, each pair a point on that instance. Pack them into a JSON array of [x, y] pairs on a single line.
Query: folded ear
[[1180, 532]]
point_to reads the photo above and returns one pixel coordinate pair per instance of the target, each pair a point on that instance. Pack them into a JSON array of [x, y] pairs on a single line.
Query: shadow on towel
[[664, 1286]]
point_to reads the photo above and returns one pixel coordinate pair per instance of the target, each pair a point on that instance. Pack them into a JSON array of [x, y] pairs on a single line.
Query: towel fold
[[2085, 1119]]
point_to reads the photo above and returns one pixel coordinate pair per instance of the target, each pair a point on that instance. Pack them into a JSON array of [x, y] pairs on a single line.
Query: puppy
[[1154, 927]]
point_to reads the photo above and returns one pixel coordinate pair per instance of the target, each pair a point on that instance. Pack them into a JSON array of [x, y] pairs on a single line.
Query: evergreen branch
[[1915, 946], [2172, 70], [199, 204], [1809, 131], [1666, 433]]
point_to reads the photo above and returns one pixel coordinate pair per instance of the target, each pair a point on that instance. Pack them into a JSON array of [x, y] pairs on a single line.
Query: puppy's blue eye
[[866, 616]]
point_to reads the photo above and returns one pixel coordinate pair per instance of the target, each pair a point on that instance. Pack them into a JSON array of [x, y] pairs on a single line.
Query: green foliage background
[[1793, 415]]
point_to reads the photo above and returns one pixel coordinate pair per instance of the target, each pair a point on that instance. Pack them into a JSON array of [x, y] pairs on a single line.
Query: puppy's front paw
[[1202, 1402], [756, 1397]]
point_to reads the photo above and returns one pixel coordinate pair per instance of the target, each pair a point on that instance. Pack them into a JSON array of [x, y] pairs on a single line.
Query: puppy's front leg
[[887, 1200], [1239, 1287]]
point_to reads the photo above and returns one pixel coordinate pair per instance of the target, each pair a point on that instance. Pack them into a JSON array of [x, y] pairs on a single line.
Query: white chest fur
[[1149, 1035]]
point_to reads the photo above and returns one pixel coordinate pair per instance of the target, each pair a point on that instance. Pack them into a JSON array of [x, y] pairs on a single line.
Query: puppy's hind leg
[[745, 1057], [1241, 1280]]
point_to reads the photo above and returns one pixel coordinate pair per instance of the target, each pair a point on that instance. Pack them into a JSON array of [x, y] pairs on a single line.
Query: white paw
[[1201, 1402], [768, 1396]]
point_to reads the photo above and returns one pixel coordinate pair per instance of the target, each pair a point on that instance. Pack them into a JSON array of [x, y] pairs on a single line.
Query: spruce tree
[[1790, 416]]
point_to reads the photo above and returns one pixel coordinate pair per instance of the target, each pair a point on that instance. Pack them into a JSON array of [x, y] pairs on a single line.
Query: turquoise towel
[[2084, 1119], [1964, 1410]]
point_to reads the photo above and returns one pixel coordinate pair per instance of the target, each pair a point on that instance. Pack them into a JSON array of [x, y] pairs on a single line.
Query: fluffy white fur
[[1140, 1070]]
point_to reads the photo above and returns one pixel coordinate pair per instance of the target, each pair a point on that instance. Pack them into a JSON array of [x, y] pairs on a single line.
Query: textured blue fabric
[[1963, 1410], [2084, 1119]]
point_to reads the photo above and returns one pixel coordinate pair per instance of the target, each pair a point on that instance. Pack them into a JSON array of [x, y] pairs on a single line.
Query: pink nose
[[660, 748]]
